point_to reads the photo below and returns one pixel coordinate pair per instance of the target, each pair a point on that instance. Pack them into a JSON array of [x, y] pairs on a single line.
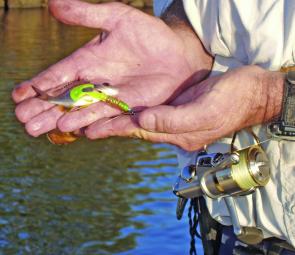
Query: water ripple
[[103, 197]]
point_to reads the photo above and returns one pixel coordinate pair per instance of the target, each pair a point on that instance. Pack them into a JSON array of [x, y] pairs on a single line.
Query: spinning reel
[[226, 175]]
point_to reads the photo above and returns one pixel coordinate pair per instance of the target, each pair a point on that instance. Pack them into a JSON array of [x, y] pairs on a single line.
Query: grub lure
[[82, 94]]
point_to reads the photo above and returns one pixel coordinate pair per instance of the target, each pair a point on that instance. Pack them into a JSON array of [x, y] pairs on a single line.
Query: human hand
[[139, 53], [205, 112]]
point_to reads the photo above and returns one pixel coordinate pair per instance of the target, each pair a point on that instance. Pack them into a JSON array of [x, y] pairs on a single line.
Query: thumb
[[164, 119], [174, 119], [74, 12]]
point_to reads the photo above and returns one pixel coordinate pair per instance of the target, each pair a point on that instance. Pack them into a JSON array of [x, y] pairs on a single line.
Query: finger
[[62, 72], [122, 126], [126, 127], [117, 126], [75, 12], [82, 118], [44, 122], [178, 119], [28, 109]]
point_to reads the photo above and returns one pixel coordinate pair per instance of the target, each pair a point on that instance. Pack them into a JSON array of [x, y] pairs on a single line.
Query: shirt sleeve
[[251, 32], [259, 33], [161, 5]]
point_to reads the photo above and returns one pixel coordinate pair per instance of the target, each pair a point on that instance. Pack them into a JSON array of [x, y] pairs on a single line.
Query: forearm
[[270, 85]]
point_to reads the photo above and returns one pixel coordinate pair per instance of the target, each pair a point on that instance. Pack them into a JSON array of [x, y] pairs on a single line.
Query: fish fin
[[41, 94], [63, 109], [77, 108]]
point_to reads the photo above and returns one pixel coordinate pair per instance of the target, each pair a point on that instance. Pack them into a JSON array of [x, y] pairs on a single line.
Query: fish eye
[[106, 84]]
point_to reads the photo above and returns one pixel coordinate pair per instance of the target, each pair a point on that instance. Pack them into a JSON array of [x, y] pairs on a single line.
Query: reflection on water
[[104, 197]]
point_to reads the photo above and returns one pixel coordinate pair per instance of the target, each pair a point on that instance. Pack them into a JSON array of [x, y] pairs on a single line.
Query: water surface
[[105, 197]]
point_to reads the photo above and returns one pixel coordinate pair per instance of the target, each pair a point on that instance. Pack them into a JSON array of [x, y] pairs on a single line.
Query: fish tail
[[41, 94]]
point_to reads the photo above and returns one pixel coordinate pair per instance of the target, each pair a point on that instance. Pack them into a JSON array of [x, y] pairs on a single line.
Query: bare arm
[[145, 58], [208, 110]]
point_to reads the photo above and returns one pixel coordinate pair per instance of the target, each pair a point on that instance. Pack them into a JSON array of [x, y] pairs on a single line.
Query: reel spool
[[249, 169]]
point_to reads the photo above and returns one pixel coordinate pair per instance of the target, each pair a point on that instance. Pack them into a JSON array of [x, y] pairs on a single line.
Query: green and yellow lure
[[84, 94]]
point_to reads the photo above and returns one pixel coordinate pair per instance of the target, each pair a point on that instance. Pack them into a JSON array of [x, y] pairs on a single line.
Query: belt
[[270, 246], [278, 247]]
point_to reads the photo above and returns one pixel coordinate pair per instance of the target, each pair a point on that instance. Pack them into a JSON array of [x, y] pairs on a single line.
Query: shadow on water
[[104, 197]]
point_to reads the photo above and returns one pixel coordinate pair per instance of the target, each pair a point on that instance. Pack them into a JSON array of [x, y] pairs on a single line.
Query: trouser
[[218, 239], [271, 246]]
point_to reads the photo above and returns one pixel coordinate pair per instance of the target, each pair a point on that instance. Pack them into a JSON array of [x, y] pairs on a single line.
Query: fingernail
[[36, 126]]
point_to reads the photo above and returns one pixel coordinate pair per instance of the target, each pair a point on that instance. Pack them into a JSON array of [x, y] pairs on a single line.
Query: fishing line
[[247, 147]]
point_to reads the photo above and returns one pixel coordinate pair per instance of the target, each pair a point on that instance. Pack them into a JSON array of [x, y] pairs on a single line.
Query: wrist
[[262, 94], [175, 15], [273, 84], [199, 60]]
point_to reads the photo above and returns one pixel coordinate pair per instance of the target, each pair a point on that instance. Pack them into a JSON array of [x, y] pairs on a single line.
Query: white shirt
[[258, 32]]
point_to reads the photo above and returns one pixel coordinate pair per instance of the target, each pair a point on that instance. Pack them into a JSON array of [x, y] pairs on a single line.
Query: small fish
[[82, 94], [79, 94]]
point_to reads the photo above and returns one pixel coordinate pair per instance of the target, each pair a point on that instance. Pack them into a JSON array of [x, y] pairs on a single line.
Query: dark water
[[104, 197]]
